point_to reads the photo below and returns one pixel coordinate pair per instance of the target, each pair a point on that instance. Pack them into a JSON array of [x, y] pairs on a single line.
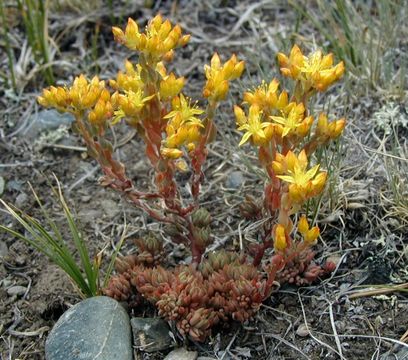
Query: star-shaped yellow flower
[[291, 119], [253, 125], [314, 71], [303, 183], [184, 112]]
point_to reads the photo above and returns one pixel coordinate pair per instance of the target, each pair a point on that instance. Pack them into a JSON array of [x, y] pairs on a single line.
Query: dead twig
[[380, 291]]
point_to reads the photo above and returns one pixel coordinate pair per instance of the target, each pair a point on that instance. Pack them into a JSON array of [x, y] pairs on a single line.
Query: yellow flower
[[266, 97], [171, 153], [303, 225], [291, 66], [170, 86], [280, 243], [218, 76], [253, 125], [291, 118], [80, 96], [84, 94], [303, 183], [102, 110], [183, 125], [129, 80], [56, 97], [315, 71], [309, 235], [183, 112], [158, 41], [326, 131], [130, 105]]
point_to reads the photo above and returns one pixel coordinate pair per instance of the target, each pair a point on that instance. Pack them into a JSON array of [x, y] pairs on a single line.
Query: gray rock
[[3, 249], [2, 184], [95, 329], [47, 120], [181, 354], [110, 208], [397, 352], [14, 185], [16, 290], [235, 180], [151, 334], [21, 200], [205, 358]]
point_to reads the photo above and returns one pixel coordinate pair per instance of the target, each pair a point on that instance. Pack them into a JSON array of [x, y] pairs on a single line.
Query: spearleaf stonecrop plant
[[176, 131]]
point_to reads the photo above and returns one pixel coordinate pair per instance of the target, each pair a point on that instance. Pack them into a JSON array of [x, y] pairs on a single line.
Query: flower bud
[[280, 238]]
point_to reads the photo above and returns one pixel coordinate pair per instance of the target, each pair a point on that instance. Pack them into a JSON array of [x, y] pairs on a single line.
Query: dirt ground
[[362, 226]]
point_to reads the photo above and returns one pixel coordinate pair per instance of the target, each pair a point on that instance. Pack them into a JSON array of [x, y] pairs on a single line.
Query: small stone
[[21, 200], [3, 249], [302, 331], [86, 198], [235, 180], [181, 354], [2, 184], [47, 120], [110, 208], [96, 328], [20, 260], [205, 358], [16, 290], [151, 334], [16, 185]]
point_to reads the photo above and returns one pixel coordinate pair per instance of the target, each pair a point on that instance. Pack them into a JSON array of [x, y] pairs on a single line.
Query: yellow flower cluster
[[133, 99], [82, 95], [267, 98], [130, 80], [183, 127], [314, 71], [148, 97], [303, 183], [289, 119], [130, 104], [218, 76], [157, 42]]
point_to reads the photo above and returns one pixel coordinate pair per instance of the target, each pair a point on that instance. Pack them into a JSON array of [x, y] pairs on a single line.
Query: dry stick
[[229, 345], [66, 147], [380, 291], [310, 333], [404, 338], [336, 336], [287, 343]]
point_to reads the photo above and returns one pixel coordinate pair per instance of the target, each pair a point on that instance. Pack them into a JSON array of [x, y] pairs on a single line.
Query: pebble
[[96, 328], [20, 260], [181, 354], [3, 249], [302, 331], [151, 334], [16, 290], [16, 185], [235, 180], [21, 200], [47, 120], [110, 208], [2, 184]]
